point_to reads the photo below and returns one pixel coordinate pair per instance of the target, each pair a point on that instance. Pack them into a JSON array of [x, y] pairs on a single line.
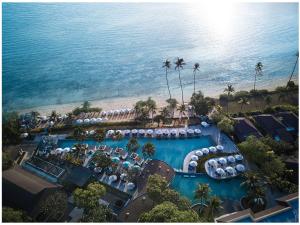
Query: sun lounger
[[133, 155], [124, 155]]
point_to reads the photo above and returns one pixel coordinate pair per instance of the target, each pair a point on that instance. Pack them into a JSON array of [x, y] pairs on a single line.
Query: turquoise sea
[[56, 53]]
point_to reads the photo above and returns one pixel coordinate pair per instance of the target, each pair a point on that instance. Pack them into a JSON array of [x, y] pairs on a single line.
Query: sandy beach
[[128, 102]]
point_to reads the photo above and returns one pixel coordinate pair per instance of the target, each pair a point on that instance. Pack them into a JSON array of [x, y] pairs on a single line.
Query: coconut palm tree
[[179, 65], [202, 193], [195, 69], [297, 55], [151, 105], [181, 110], [258, 71], [229, 90], [167, 66], [79, 134], [165, 113], [148, 149], [214, 204], [243, 101], [172, 103]]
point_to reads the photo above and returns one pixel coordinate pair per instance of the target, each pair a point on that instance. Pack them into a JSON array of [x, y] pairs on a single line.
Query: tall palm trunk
[[255, 80], [181, 87], [168, 82], [194, 82], [227, 102], [293, 71]]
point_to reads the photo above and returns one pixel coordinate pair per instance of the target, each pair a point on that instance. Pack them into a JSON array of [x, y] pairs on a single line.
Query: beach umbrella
[[213, 163], [86, 120], [199, 153], [67, 149], [165, 132], [212, 149], [158, 132], [24, 135], [92, 132], [222, 160], [116, 112], [99, 120], [103, 113], [190, 131], [134, 131], [79, 121], [239, 157], [205, 151], [197, 131], [149, 132], [126, 111], [119, 131], [220, 147], [130, 186], [173, 132], [123, 176], [136, 168], [115, 159], [231, 159], [240, 167], [122, 111], [204, 124], [182, 132], [44, 118], [229, 170], [53, 152], [127, 132], [220, 171], [126, 164], [93, 120], [110, 132], [112, 178], [105, 119], [194, 158], [97, 169], [51, 123], [141, 131], [193, 163], [59, 150]]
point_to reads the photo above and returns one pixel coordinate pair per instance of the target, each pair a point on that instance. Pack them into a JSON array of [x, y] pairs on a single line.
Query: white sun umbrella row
[[117, 112], [91, 121]]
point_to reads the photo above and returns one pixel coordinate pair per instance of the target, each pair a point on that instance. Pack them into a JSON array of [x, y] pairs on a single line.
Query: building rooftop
[[244, 128]]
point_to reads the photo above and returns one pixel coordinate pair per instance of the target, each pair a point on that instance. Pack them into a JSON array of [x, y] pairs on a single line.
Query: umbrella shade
[[205, 151], [158, 132], [141, 131], [149, 132], [231, 159], [92, 132], [110, 132], [220, 171], [240, 167], [165, 131], [86, 120], [204, 124], [212, 149], [99, 120], [130, 186], [212, 162], [79, 121], [194, 158], [134, 131], [126, 164], [115, 159], [239, 157], [229, 170], [222, 161], [197, 131], [123, 176], [220, 147], [190, 131], [193, 164], [112, 178], [199, 153], [67, 149], [182, 132], [127, 131], [136, 168]]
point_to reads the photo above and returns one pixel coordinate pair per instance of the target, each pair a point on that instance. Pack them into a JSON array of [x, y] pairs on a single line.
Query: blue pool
[[225, 189], [172, 151]]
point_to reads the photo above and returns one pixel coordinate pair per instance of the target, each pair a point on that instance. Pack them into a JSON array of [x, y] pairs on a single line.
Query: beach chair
[[133, 155], [123, 154]]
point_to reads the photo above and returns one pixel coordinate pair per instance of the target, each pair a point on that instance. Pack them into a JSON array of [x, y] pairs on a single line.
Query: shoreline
[[128, 102]]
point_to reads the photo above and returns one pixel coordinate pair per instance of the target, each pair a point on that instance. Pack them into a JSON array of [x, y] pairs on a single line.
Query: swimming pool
[[172, 151], [225, 189]]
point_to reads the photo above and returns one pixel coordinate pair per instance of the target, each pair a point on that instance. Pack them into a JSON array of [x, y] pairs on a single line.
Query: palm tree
[[148, 149], [53, 116], [167, 65], [258, 71], [268, 100], [165, 114], [133, 145], [243, 101], [214, 204], [172, 103], [179, 65], [195, 69], [202, 193], [79, 134], [297, 55], [252, 180], [181, 110], [151, 105], [99, 135], [229, 90]]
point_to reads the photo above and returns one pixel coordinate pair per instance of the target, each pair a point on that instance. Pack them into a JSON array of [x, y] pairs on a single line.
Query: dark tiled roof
[[273, 127], [79, 176], [244, 128], [289, 119]]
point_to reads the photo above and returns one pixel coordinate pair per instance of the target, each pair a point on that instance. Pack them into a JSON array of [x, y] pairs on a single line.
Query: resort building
[[244, 128], [273, 127], [290, 121]]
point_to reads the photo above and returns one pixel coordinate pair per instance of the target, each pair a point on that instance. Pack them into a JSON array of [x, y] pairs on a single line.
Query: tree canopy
[[97, 215], [201, 104], [14, 215], [133, 145]]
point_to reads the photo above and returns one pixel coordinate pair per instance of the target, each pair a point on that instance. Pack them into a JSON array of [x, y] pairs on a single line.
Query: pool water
[[172, 151], [225, 189]]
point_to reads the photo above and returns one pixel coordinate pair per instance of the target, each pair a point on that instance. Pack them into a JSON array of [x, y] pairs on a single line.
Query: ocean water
[[63, 52]]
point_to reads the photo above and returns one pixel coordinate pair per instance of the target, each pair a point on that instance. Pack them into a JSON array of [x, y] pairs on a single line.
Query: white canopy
[[220, 147], [134, 131], [205, 151], [229, 170], [112, 178], [119, 131], [240, 167], [93, 120], [92, 132], [220, 171], [67, 149], [194, 158], [212, 149], [86, 121], [99, 120], [110, 132], [149, 131], [212, 162], [59, 150], [231, 159], [165, 131], [79, 121], [24, 135], [193, 163], [190, 131], [158, 132], [174, 131], [204, 124], [123, 176], [222, 160], [197, 131], [141, 131], [130, 186], [182, 132], [239, 157], [103, 113], [127, 131], [199, 153], [116, 111]]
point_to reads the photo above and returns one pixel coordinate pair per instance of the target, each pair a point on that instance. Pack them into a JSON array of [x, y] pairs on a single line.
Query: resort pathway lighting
[[220, 171], [130, 186], [194, 158], [197, 131], [220, 147], [126, 164], [193, 163], [240, 168], [199, 153], [231, 159], [239, 157], [205, 151], [229, 170], [222, 161], [212, 149]]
